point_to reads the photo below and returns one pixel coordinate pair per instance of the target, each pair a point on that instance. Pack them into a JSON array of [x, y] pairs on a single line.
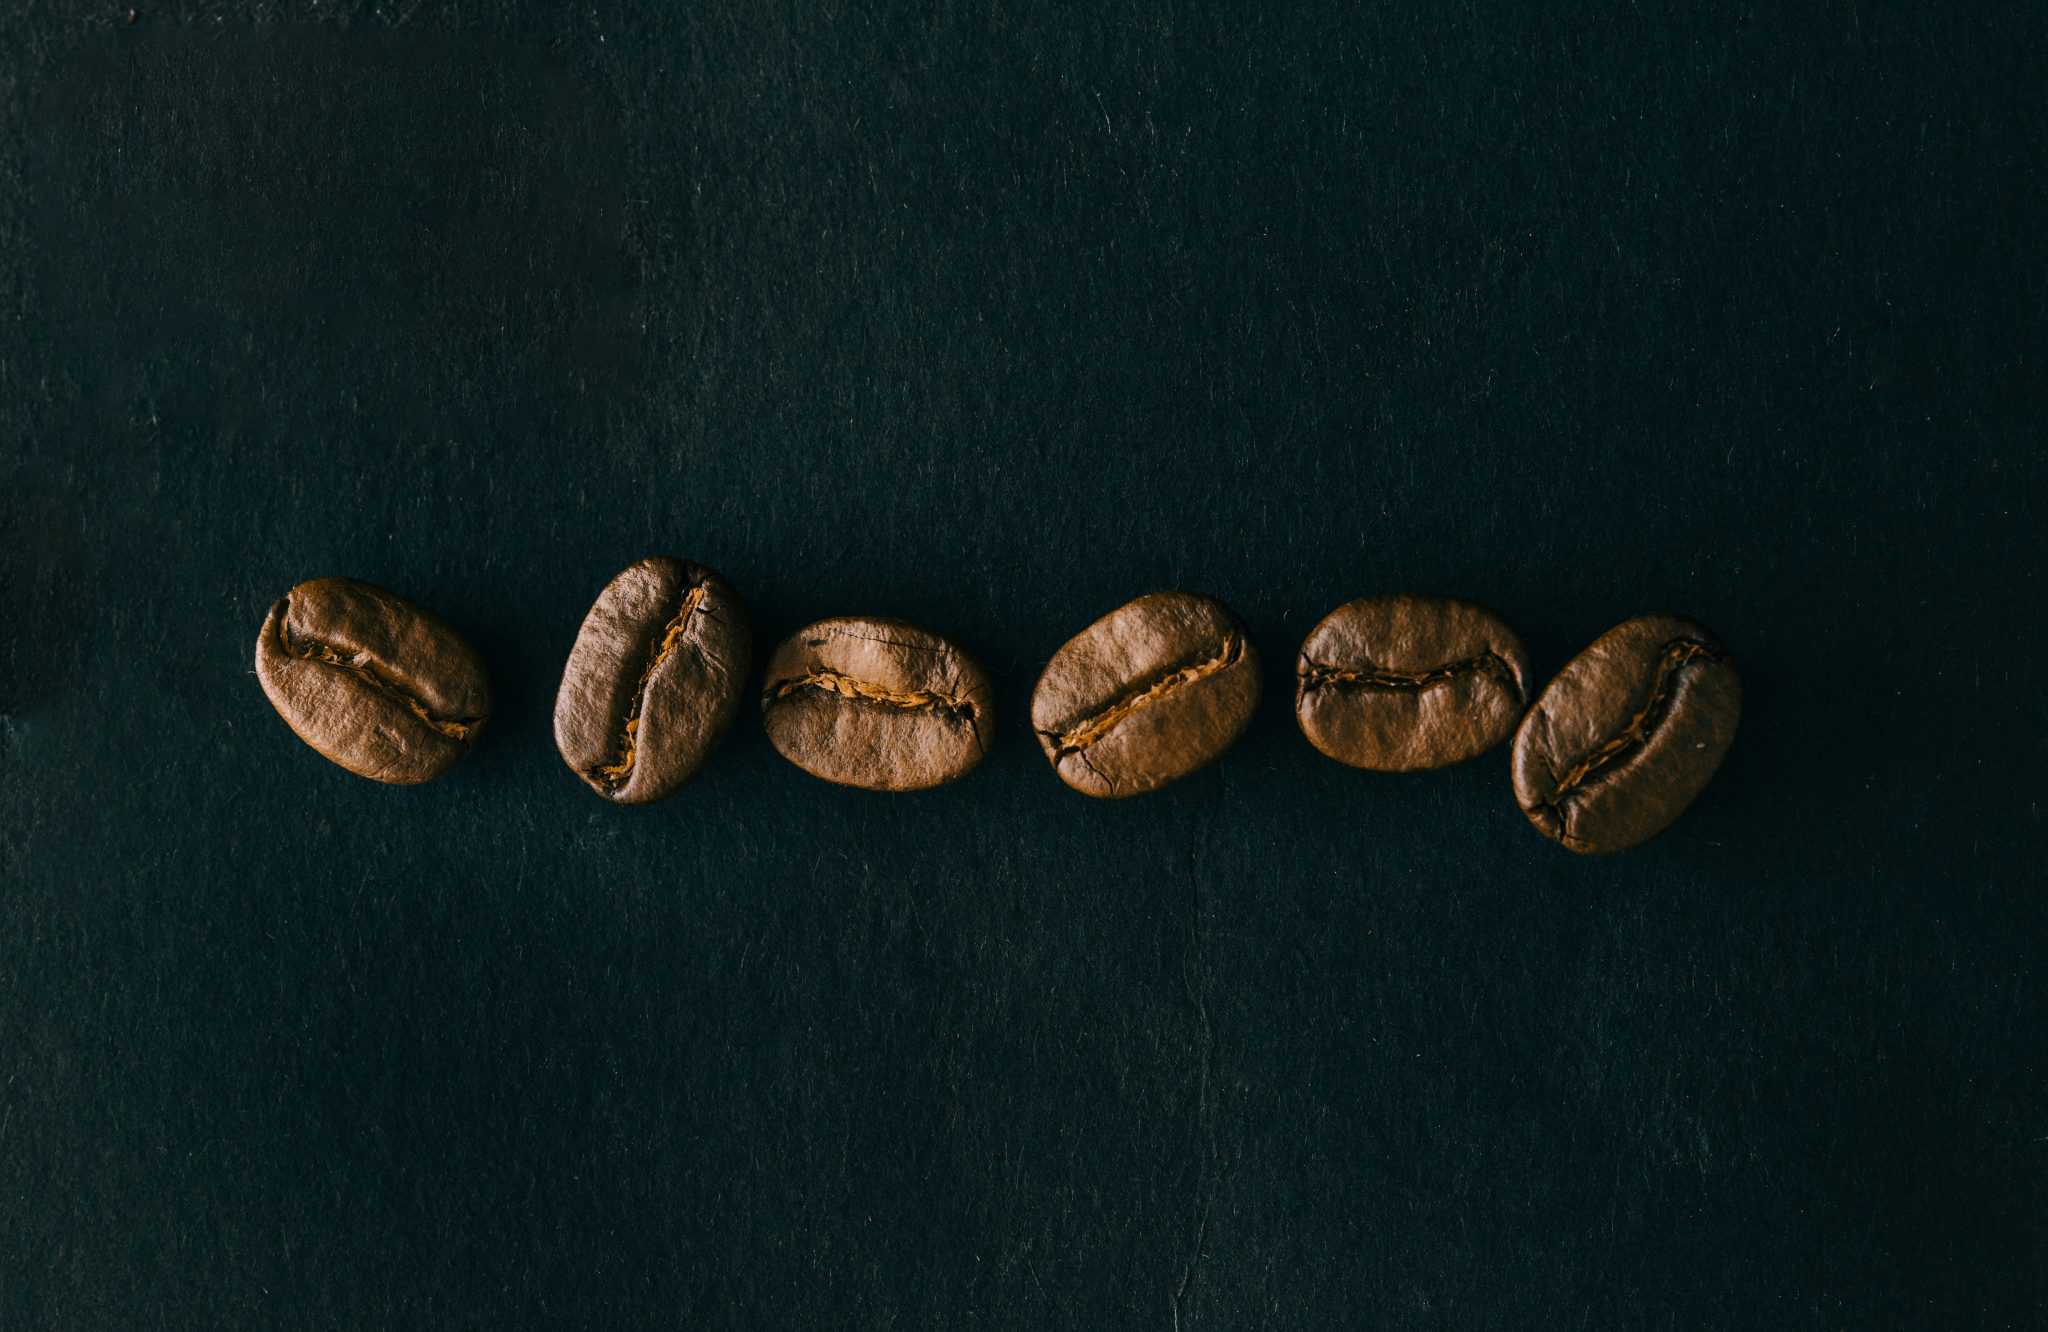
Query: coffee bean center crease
[[615, 774], [1677, 655], [1093, 727], [847, 686], [1318, 674], [360, 666]]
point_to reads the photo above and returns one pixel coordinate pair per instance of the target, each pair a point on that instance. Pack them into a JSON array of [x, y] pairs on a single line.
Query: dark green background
[[990, 319]]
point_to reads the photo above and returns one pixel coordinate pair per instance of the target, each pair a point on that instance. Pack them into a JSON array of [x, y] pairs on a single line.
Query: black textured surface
[[990, 320]]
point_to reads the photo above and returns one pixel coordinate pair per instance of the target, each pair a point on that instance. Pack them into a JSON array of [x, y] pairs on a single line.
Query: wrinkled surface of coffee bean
[[1399, 684], [1627, 735], [1147, 694], [877, 704], [371, 681], [653, 681]]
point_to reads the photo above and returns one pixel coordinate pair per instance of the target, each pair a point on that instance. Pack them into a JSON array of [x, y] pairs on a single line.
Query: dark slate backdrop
[[991, 318]]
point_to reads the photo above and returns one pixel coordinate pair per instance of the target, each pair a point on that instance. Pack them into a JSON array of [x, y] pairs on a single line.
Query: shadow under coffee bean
[[371, 681]]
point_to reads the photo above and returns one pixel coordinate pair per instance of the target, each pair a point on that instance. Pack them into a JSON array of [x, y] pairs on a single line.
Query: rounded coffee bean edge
[[1406, 683], [877, 704], [371, 681], [1152, 691], [653, 681], [1625, 737]]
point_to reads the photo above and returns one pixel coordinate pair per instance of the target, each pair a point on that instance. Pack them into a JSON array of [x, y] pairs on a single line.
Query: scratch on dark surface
[[1205, 1117]]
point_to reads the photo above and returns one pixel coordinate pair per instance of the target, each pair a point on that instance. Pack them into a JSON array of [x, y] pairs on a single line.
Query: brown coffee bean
[[1146, 695], [877, 704], [370, 680], [1399, 684], [653, 681], [1625, 737]]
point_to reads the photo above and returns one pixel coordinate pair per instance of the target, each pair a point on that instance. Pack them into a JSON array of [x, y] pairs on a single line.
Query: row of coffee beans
[[1608, 755]]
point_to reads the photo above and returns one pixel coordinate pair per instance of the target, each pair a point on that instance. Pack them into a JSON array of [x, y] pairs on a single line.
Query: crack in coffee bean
[[455, 728], [653, 681], [866, 691], [1627, 735], [1092, 728], [617, 773], [1089, 729], [1663, 688], [372, 682], [1145, 695], [1406, 683], [1319, 675], [877, 704]]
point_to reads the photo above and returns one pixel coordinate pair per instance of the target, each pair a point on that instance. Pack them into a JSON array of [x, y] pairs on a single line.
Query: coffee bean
[[653, 681], [370, 680], [1399, 684], [877, 704], [1625, 737], [1146, 695]]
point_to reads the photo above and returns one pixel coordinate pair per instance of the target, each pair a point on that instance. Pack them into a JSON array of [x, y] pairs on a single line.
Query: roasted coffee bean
[[1625, 737], [877, 704], [653, 681], [1398, 684], [372, 681], [1146, 695]]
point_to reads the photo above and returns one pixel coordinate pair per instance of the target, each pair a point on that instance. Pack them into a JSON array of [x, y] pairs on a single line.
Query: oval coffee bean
[[877, 704], [1146, 694], [1399, 684], [653, 681], [370, 680], [1625, 737]]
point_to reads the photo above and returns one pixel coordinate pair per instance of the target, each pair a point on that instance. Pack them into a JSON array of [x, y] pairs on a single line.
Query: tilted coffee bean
[[1625, 737], [1146, 694], [1399, 684], [653, 681], [370, 680], [877, 704]]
